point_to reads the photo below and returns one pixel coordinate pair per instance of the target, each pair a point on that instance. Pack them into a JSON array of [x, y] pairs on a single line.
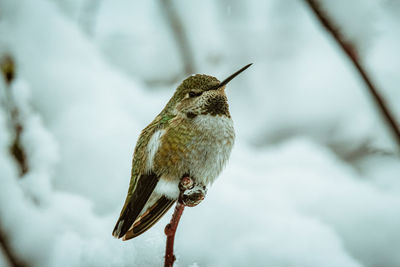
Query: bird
[[192, 137]]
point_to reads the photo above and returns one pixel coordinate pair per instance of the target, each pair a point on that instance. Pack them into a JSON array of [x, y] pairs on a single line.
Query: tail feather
[[149, 217], [135, 203]]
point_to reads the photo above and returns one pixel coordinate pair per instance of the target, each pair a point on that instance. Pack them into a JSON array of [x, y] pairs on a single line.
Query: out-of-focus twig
[[7, 68], [88, 15], [11, 257], [180, 36], [351, 52]]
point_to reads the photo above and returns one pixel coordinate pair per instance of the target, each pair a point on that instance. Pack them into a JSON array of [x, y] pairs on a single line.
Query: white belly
[[212, 148], [208, 153]]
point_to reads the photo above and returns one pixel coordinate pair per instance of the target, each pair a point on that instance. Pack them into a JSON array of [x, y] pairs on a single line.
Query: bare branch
[[11, 257], [191, 194], [351, 52], [7, 68], [180, 36], [88, 15], [170, 231]]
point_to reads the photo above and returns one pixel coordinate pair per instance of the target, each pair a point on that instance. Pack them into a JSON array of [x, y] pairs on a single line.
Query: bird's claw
[[186, 183], [191, 193]]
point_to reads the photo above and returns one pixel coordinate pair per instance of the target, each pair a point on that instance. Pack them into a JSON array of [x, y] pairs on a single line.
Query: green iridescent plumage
[[199, 82], [192, 136]]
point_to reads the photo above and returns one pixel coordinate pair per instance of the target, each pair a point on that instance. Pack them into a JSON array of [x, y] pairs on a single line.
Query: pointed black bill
[[230, 78]]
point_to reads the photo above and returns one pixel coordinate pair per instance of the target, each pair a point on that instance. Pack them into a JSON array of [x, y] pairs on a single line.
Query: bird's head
[[202, 94]]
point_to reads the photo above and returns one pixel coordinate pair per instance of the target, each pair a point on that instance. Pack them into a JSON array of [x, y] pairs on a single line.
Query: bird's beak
[[230, 78]]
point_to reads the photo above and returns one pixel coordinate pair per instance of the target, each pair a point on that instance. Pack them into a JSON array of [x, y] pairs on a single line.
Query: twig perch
[[351, 52], [191, 194], [170, 231]]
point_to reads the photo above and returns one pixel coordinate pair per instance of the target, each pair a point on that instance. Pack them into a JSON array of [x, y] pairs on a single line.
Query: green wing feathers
[[141, 184]]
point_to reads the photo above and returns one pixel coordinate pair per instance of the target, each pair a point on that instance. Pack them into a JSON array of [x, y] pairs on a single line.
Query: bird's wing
[[135, 203], [140, 187], [149, 217], [142, 184]]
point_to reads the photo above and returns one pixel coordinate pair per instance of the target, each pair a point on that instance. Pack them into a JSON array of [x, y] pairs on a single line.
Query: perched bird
[[191, 137]]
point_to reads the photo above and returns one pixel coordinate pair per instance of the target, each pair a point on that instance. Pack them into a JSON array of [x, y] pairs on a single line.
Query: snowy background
[[314, 178]]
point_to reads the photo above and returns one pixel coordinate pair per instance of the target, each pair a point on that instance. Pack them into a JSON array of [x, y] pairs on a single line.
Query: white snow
[[300, 189]]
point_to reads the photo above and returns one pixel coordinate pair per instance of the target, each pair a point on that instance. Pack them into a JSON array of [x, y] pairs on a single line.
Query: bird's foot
[[186, 183], [191, 193]]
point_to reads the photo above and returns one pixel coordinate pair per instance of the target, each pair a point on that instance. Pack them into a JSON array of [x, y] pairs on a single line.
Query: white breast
[[213, 147], [208, 153]]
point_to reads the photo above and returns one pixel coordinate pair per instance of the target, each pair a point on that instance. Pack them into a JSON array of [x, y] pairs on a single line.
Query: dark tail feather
[[135, 203], [150, 217]]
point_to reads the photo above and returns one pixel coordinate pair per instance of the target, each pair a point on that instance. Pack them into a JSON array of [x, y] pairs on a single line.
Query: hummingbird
[[192, 137]]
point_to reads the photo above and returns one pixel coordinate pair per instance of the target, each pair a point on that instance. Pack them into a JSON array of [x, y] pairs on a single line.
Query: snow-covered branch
[[9, 253], [7, 67]]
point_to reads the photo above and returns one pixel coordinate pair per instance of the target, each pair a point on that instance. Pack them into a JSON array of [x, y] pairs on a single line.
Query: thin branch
[[7, 68], [170, 231], [191, 195], [180, 36], [12, 259], [351, 52], [88, 15]]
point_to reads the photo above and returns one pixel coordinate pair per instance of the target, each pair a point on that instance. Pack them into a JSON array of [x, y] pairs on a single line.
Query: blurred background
[[314, 177]]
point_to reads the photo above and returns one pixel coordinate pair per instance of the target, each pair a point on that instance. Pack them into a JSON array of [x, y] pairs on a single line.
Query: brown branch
[[11, 257], [170, 231], [7, 69], [191, 194], [17, 150], [351, 52]]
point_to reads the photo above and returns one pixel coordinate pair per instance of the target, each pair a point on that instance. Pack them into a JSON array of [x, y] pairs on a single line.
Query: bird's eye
[[194, 94]]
